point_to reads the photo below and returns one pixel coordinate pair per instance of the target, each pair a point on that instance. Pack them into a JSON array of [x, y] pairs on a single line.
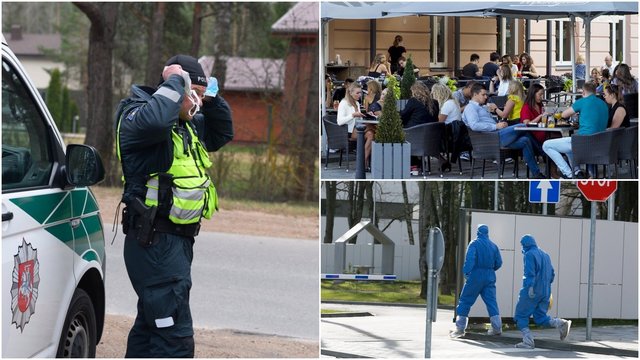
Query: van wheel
[[78, 339]]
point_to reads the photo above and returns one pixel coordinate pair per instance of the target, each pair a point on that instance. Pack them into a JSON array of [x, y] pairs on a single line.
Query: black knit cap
[[190, 65]]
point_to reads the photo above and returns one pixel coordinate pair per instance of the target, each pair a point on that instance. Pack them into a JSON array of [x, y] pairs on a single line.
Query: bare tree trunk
[[155, 59], [103, 17], [330, 211], [222, 41], [196, 29], [424, 188], [408, 213]]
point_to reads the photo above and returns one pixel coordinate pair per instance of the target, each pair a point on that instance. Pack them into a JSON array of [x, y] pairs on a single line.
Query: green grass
[[278, 208], [406, 292], [328, 311]]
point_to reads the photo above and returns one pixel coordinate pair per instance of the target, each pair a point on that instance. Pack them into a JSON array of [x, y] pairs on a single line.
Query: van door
[[37, 240]]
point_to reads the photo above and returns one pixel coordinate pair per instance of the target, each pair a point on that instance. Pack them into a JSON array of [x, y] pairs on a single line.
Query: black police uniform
[[161, 273]]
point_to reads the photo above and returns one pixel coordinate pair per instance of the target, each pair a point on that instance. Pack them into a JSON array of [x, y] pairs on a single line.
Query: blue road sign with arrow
[[544, 191]]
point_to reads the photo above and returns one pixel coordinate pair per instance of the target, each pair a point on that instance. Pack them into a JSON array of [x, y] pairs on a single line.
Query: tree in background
[[408, 79], [54, 97], [103, 17]]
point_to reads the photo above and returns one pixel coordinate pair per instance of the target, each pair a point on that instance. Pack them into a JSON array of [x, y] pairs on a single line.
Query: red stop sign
[[597, 190]]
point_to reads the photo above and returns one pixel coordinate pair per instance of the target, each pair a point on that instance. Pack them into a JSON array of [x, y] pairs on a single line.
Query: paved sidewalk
[[399, 332]]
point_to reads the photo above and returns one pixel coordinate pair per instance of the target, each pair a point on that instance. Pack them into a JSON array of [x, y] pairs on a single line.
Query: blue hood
[[528, 242], [483, 231]]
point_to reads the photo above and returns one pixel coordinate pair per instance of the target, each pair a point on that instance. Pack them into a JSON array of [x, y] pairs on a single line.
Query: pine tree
[[65, 112], [408, 79], [54, 97], [389, 128]]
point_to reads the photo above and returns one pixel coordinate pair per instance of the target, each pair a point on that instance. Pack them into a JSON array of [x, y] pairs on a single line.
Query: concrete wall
[[566, 240]]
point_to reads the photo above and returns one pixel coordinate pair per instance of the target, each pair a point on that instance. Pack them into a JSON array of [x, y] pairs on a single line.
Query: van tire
[[78, 338]]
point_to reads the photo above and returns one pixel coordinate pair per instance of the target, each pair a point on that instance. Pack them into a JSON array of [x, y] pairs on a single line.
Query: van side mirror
[[83, 165]]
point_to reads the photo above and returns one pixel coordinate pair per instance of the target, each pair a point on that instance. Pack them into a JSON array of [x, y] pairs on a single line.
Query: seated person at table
[[463, 95], [402, 62], [605, 80], [506, 60], [504, 77], [528, 70], [479, 119], [593, 118], [514, 103], [490, 69], [532, 110], [340, 92], [596, 76], [375, 109], [450, 114], [421, 108], [349, 111], [618, 115], [378, 66], [471, 70], [622, 77], [373, 94]]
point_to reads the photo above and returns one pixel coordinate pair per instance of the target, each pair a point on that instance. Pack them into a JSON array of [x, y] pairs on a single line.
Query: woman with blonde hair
[[581, 68], [421, 108], [449, 108], [515, 101], [349, 111], [378, 66], [373, 94]]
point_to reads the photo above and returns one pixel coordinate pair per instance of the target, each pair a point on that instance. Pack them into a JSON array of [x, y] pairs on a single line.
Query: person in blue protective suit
[[480, 265], [535, 293], [163, 137]]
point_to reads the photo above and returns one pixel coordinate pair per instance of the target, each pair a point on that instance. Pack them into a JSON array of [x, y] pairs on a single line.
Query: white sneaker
[[456, 334], [508, 160], [523, 345], [465, 156], [492, 332], [564, 329]]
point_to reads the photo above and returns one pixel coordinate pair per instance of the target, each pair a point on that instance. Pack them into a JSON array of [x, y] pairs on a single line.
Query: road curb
[[348, 314], [341, 355], [341, 302], [555, 345]]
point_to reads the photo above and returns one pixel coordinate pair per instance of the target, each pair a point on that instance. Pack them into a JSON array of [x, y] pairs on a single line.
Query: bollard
[[360, 128]]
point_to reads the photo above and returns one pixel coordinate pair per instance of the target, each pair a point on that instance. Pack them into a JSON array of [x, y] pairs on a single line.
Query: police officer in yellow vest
[[163, 137]]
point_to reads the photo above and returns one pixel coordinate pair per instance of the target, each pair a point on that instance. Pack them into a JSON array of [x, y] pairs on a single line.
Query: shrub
[[408, 79], [390, 126]]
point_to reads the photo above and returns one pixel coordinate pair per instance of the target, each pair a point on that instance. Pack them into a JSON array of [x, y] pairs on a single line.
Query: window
[[508, 40], [563, 42], [438, 42], [26, 142], [616, 47]]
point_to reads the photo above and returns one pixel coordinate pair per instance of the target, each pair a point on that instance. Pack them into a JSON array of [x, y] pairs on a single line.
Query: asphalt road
[[247, 283]]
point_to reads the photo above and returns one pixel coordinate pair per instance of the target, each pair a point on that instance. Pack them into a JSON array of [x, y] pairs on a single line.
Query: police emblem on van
[[24, 288]]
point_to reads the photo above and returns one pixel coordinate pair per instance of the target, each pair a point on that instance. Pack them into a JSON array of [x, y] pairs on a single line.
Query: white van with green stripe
[[53, 258]]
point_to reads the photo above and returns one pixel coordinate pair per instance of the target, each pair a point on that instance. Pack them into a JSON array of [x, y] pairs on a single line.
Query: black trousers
[[161, 276]]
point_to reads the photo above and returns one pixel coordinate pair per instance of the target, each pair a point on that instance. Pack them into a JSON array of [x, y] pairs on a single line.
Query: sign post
[[594, 191], [434, 259]]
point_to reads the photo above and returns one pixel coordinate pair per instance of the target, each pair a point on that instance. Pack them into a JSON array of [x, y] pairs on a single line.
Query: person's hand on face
[[192, 102], [170, 70]]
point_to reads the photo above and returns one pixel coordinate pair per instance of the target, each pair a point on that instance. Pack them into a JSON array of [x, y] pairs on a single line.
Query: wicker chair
[[426, 141], [628, 149], [337, 139], [596, 149], [486, 146]]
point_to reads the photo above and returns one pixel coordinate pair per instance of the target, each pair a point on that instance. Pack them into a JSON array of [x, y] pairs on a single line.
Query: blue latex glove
[[531, 293], [212, 87]]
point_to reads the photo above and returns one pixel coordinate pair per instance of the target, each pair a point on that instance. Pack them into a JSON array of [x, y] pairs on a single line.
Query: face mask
[[195, 100]]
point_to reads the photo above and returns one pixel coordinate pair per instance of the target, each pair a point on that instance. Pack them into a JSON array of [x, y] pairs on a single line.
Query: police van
[[53, 258]]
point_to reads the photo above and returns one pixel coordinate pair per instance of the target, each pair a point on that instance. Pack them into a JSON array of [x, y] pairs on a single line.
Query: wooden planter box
[[390, 161]]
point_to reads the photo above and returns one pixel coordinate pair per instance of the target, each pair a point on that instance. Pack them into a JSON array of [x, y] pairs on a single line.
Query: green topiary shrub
[[389, 128], [408, 79], [392, 83]]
